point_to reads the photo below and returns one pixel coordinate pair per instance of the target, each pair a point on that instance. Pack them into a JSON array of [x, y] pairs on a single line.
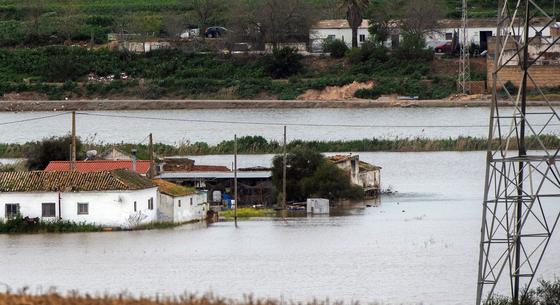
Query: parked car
[[214, 31], [446, 47]]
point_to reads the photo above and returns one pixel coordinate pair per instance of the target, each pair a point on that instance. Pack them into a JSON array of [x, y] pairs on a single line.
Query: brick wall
[[544, 76], [478, 87]]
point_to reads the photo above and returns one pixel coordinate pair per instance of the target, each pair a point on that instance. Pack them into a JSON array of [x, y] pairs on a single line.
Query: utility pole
[[284, 169], [151, 156], [73, 150], [235, 179], [464, 61]]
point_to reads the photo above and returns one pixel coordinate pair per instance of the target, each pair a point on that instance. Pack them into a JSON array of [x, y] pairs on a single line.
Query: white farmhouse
[[478, 31], [336, 29], [118, 198], [180, 204]]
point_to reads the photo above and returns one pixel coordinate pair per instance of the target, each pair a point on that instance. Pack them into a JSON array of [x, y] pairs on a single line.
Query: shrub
[[283, 63], [336, 47]]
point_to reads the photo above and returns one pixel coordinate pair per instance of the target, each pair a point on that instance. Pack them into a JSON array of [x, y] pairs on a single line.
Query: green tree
[[309, 174], [355, 14], [329, 181], [52, 149], [301, 163]]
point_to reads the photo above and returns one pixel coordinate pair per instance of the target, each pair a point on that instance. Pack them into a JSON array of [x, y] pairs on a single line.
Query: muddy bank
[[99, 105]]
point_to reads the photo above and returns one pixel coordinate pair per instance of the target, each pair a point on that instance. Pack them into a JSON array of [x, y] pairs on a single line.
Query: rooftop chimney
[[133, 160]]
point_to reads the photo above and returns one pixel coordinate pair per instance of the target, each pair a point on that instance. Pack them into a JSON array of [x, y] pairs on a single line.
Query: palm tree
[[354, 15]]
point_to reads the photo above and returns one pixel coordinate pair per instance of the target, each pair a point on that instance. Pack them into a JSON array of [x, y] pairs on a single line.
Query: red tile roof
[[142, 166], [64, 181]]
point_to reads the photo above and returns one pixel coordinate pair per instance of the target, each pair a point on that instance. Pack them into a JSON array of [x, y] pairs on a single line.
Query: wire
[[34, 119], [283, 124], [277, 124]]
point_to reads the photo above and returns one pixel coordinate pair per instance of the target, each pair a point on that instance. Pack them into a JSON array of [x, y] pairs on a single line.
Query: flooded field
[[214, 126], [419, 246]]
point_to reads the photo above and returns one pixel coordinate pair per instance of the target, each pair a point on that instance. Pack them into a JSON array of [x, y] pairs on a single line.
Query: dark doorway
[[484, 40]]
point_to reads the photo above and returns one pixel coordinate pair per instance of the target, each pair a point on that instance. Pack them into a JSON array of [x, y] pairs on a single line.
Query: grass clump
[[246, 213], [20, 224]]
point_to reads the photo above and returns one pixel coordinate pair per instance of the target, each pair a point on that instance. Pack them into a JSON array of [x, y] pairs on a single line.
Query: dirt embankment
[[101, 105], [335, 93]]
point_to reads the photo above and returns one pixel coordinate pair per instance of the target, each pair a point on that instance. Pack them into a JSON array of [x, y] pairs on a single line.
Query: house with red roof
[[142, 166]]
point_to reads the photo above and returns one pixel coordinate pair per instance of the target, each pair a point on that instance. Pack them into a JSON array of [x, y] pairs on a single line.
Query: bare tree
[[354, 14], [208, 12], [174, 24], [273, 21], [421, 17]]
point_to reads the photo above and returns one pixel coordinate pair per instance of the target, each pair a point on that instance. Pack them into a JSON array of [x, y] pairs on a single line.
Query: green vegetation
[[260, 145], [336, 47], [546, 293], [36, 225], [311, 175], [60, 72], [246, 213]]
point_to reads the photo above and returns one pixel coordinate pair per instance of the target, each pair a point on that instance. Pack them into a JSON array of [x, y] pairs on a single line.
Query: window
[[83, 208], [134, 206], [191, 201], [362, 37], [151, 204], [12, 210], [49, 210], [448, 36], [331, 37], [179, 203]]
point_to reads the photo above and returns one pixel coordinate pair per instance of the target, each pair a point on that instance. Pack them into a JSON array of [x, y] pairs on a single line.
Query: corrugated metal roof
[[117, 180], [337, 24], [216, 175], [142, 166]]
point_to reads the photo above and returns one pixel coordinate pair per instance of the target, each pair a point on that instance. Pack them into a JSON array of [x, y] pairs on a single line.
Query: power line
[[278, 124], [34, 119], [282, 124]]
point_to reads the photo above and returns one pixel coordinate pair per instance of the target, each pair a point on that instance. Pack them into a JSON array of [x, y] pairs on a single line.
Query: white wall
[[317, 36], [111, 208], [193, 207], [473, 35]]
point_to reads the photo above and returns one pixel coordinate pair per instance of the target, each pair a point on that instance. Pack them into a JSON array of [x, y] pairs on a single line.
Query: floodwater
[[214, 126], [419, 246]]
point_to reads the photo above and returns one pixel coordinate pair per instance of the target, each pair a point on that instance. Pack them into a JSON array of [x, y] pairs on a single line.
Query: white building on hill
[[335, 29], [118, 198]]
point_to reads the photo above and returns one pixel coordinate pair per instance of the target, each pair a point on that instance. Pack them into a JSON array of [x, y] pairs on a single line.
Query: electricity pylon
[[464, 60], [522, 184]]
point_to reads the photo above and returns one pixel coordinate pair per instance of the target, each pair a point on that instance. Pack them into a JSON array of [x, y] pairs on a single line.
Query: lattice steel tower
[[464, 59], [522, 186]]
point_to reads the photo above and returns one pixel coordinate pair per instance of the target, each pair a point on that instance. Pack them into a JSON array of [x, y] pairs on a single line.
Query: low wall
[[543, 75]]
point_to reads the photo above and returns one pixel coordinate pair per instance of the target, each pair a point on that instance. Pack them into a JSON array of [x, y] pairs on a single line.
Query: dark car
[[214, 31], [446, 48]]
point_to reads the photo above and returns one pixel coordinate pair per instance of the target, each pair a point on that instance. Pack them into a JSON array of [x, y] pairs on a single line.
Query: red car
[[446, 47]]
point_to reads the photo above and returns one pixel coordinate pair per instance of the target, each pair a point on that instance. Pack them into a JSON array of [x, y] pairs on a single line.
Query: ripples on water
[[419, 245], [115, 130]]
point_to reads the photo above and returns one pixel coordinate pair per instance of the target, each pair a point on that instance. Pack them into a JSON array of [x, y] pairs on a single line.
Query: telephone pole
[[284, 169], [522, 184], [235, 179], [151, 171], [73, 150]]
